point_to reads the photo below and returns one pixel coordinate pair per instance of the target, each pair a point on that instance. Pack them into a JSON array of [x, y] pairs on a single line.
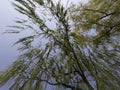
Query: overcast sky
[[8, 54]]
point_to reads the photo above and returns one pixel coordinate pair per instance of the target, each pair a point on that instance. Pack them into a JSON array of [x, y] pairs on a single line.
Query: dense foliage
[[75, 47]]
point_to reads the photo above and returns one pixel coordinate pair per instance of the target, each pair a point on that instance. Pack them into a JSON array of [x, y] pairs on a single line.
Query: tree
[[66, 54]]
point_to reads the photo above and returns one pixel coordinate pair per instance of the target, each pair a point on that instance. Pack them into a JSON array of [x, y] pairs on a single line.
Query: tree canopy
[[75, 47]]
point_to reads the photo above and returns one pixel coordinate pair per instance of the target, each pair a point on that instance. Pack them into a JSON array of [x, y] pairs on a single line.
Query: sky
[[7, 16], [8, 53]]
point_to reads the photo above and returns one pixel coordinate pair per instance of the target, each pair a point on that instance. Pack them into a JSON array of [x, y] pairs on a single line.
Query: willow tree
[[75, 47]]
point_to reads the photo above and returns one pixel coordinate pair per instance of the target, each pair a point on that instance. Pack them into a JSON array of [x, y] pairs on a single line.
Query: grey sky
[[7, 53]]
